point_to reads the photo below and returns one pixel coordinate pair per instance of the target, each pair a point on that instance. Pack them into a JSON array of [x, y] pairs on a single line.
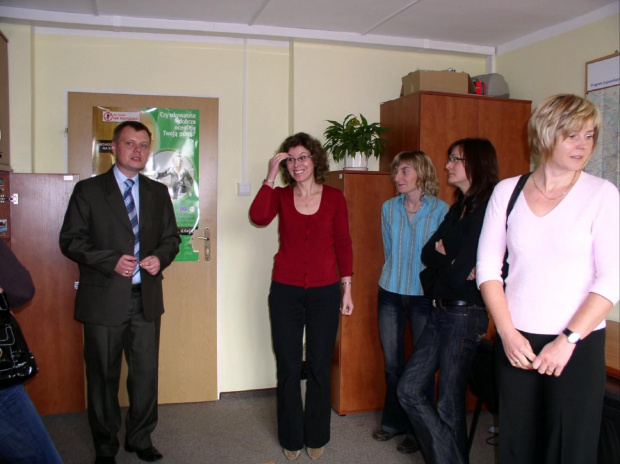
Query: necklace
[[572, 182], [414, 210], [309, 200]]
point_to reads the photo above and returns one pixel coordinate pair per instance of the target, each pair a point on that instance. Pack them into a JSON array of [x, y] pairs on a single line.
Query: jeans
[[448, 344], [318, 310], [23, 437], [393, 312]]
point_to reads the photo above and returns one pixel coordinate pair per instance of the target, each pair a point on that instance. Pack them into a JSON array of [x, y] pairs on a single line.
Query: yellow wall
[[20, 96], [309, 83], [557, 65], [331, 81], [290, 88]]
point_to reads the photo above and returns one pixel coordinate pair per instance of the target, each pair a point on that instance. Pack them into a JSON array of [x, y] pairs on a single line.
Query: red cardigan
[[312, 248]]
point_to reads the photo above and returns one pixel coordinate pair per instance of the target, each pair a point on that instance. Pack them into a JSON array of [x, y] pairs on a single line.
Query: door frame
[[188, 348]]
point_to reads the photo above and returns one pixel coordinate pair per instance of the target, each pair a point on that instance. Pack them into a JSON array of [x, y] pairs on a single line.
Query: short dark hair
[[135, 125], [318, 157], [481, 169]]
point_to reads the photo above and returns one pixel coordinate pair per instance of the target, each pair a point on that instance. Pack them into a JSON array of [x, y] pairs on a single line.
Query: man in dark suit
[[121, 230]]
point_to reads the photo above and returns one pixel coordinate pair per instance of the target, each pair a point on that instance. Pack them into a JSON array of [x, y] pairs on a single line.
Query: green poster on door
[[174, 159], [175, 163]]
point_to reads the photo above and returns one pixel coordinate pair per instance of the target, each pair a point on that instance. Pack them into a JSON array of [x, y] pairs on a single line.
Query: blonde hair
[[427, 175], [555, 118]]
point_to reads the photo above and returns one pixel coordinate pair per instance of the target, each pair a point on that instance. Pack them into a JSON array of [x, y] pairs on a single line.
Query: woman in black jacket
[[459, 319]]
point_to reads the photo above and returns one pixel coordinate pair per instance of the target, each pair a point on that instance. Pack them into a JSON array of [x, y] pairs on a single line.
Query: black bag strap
[[515, 194], [4, 305], [511, 203]]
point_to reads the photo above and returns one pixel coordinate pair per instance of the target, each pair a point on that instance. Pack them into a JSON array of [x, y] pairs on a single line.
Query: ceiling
[[478, 26]]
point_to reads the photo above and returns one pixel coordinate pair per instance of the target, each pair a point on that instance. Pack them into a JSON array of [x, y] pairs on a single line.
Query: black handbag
[[17, 363]]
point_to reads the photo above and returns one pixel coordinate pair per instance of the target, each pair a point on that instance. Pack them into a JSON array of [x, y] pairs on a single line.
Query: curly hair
[[418, 160], [317, 153], [555, 118]]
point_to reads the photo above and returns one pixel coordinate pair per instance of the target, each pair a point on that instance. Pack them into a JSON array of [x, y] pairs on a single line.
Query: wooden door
[[188, 349], [504, 123], [53, 335]]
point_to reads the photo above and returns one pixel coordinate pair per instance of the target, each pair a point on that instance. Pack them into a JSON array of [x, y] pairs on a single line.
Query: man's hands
[[127, 265]]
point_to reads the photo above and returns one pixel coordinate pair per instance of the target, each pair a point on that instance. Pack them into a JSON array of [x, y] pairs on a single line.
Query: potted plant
[[354, 140]]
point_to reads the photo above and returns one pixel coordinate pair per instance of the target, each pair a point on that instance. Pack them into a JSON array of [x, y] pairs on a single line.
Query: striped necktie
[[133, 218]]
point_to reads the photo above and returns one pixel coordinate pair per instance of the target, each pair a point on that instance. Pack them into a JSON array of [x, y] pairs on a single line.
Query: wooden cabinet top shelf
[[461, 95]]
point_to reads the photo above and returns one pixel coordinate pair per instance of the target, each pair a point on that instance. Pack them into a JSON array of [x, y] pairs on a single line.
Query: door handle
[[207, 243]]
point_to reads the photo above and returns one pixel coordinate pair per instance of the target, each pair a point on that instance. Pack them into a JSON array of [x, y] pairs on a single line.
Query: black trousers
[[103, 350], [291, 309], [547, 419]]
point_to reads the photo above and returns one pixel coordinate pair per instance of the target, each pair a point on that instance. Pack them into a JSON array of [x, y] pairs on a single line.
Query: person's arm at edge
[[15, 280]]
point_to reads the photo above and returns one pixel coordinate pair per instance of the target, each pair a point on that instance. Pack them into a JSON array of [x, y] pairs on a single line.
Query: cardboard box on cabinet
[[437, 81]]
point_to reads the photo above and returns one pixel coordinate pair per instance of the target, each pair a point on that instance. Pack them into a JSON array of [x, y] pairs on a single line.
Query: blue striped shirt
[[403, 241]]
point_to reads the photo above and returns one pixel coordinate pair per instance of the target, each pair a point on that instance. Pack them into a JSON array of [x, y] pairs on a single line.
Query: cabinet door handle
[[13, 199]]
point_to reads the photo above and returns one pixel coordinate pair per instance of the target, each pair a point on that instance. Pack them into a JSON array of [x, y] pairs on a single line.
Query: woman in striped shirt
[[407, 222]]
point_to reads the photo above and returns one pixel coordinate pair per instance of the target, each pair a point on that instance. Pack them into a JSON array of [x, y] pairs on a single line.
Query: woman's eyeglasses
[[454, 159], [301, 159]]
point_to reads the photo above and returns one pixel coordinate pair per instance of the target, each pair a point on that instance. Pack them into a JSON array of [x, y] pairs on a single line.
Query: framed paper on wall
[[603, 72]]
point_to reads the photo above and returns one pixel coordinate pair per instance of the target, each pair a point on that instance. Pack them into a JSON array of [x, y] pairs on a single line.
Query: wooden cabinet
[[5, 163], [54, 336], [428, 121], [358, 383], [431, 121]]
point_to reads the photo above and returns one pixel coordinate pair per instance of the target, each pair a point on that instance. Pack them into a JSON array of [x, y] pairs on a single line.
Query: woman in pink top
[[311, 281], [562, 242]]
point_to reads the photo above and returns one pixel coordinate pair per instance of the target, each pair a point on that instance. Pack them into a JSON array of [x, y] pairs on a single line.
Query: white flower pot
[[357, 162]]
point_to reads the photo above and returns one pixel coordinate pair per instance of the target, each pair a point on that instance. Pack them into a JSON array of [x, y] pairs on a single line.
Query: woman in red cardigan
[[311, 282]]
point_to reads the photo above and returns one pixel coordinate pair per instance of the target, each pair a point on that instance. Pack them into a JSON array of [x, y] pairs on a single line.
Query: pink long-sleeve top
[[555, 260], [315, 250]]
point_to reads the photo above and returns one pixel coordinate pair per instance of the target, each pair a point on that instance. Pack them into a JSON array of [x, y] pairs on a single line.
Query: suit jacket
[[96, 232]]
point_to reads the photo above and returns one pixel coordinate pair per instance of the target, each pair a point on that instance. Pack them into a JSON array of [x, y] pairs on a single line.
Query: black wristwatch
[[573, 337]]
